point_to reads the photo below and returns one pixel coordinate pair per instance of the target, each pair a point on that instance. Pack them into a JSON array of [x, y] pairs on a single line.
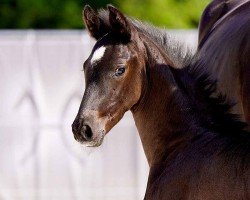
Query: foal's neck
[[177, 105], [158, 117]]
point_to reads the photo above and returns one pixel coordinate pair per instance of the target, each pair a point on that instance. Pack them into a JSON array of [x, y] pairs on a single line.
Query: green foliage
[[41, 14], [58, 14], [166, 13]]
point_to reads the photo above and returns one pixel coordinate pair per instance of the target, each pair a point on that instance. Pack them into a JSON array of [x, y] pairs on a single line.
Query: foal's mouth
[[94, 142]]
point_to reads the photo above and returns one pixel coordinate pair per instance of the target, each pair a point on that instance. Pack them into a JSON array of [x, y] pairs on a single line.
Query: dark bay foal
[[195, 148]]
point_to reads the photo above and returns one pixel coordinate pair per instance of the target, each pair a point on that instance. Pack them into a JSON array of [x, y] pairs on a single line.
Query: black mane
[[211, 108]]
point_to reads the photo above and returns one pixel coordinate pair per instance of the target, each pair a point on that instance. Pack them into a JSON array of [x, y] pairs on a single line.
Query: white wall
[[41, 85]]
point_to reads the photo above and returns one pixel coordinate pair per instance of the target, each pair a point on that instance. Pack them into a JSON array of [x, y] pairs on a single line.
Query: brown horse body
[[195, 148], [224, 46], [214, 13]]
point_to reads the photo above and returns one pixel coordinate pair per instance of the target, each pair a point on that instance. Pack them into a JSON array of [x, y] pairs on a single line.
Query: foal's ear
[[119, 24], [96, 27]]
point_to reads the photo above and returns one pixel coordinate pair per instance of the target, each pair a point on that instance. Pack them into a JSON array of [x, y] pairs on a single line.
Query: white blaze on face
[[98, 54]]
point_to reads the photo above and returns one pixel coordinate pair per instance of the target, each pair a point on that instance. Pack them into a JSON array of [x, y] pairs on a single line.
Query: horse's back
[[213, 13], [245, 75], [226, 50]]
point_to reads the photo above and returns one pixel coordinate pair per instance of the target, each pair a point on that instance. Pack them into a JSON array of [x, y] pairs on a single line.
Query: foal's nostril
[[82, 132], [87, 132]]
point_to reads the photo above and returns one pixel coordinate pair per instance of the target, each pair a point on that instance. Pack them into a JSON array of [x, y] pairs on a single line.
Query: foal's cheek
[[131, 94]]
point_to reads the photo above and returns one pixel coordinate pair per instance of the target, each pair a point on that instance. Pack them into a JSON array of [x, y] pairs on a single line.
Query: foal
[[195, 148]]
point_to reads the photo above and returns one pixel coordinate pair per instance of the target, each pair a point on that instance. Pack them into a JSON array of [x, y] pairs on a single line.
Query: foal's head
[[114, 74]]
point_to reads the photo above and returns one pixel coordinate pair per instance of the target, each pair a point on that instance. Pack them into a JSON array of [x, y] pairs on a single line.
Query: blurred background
[[42, 47], [57, 14]]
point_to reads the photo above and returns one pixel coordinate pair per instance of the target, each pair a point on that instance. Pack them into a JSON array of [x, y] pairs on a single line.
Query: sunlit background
[[41, 86]]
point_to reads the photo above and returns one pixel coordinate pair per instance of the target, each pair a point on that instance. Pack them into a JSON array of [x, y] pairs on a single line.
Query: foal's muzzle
[[88, 132], [82, 132]]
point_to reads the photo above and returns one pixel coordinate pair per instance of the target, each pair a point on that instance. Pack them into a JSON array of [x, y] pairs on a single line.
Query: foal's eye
[[119, 71]]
